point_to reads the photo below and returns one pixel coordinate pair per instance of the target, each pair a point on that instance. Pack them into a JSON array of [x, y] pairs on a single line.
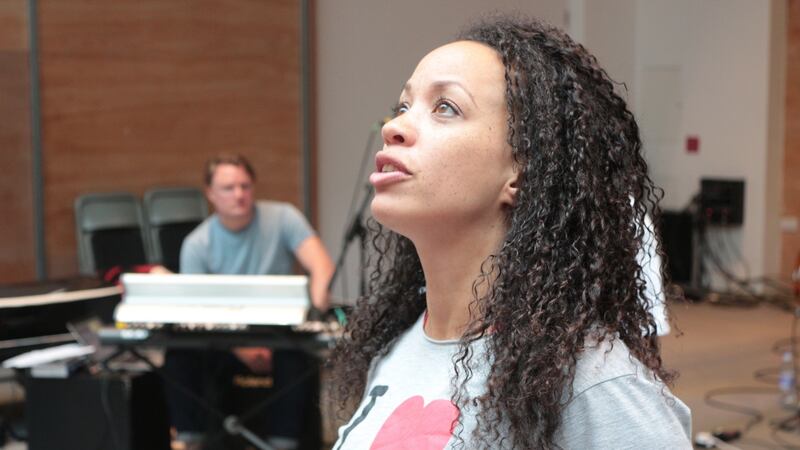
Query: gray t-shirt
[[616, 403], [265, 247]]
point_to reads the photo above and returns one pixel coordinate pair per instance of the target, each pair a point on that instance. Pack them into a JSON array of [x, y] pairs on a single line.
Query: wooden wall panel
[[791, 168], [140, 94], [14, 25], [17, 252]]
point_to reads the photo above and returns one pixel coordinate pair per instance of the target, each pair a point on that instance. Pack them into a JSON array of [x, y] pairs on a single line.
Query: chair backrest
[[110, 231], [171, 214]]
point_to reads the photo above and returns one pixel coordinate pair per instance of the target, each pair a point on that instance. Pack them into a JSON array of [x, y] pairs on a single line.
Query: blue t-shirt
[[265, 247]]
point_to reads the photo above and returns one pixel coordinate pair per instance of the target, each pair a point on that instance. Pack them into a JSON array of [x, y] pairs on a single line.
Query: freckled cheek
[[454, 184], [436, 184]]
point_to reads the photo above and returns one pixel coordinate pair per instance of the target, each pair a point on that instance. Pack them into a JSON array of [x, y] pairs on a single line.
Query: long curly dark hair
[[567, 269]]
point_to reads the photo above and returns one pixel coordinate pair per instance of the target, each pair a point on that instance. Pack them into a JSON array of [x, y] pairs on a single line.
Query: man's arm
[[315, 260], [192, 260]]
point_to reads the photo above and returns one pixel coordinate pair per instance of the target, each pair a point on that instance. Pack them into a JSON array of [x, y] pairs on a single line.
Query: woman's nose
[[399, 131]]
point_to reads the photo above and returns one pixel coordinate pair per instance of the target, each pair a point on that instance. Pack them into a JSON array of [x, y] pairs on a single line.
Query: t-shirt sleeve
[[294, 227], [192, 258], [626, 412], [651, 264]]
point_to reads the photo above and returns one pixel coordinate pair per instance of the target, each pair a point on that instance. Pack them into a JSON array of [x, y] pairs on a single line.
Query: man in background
[[246, 237]]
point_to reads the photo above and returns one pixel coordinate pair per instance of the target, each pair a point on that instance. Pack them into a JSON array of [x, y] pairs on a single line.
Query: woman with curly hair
[[507, 308]]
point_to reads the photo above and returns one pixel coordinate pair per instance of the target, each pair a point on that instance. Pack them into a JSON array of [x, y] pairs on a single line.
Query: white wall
[[366, 50], [610, 35], [699, 68], [722, 49], [691, 68]]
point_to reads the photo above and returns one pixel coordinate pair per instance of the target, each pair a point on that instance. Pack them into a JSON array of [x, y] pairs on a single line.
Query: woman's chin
[[385, 214], [394, 217]]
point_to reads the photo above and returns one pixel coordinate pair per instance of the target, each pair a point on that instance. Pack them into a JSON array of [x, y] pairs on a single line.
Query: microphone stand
[[356, 228]]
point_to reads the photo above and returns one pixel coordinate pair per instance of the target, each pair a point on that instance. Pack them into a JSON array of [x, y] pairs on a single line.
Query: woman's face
[[446, 161]]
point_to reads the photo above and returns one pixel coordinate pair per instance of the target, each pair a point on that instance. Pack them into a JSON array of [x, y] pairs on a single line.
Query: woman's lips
[[383, 179], [387, 171]]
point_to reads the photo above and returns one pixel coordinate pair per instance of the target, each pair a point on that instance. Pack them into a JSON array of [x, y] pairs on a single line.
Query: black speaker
[[105, 411], [722, 201], [676, 241]]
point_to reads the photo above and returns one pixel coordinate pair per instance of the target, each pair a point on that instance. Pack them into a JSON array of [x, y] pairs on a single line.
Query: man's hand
[[257, 359], [158, 269]]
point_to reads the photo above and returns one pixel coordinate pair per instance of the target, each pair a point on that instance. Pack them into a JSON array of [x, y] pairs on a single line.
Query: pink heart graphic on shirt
[[412, 425]]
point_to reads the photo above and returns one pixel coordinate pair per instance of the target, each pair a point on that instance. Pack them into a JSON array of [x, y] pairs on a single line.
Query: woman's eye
[[445, 109], [400, 108]]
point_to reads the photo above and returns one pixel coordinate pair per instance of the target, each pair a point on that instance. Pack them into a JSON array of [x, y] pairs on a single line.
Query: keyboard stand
[[232, 424]]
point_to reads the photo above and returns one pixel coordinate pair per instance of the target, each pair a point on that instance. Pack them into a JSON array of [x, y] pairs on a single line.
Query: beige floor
[[722, 347]]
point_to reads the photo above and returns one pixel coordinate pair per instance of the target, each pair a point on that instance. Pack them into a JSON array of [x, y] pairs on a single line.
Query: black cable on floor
[[755, 415], [768, 375], [783, 426], [763, 375], [791, 423]]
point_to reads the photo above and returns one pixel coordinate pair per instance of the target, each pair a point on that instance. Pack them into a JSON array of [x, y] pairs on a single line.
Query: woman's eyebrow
[[441, 85]]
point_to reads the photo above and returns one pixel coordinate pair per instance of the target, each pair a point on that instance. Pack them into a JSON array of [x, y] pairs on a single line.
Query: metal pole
[[36, 144], [305, 106]]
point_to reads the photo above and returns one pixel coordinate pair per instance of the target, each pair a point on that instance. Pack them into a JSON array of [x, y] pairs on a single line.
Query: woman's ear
[[511, 189]]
